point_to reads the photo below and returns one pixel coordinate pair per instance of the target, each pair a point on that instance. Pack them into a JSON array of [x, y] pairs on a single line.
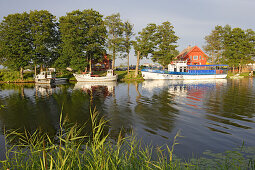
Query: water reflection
[[104, 88], [212, 114]]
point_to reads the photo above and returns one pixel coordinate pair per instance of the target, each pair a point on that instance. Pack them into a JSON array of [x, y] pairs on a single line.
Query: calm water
[[214, 115]]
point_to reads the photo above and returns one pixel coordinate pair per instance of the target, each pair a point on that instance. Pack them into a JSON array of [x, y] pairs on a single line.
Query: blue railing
[[190, 72]]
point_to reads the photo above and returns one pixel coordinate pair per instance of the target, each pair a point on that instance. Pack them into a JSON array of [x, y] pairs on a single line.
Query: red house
[[102, 64], [193, 56]]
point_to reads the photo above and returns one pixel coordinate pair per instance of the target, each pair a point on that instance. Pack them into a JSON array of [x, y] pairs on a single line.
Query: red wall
[[196, 52]]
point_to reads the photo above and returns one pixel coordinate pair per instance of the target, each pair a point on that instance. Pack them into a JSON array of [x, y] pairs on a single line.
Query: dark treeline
[[38, 38]]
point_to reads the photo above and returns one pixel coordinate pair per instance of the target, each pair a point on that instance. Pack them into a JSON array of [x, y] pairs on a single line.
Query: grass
[[14, 76], [245, 74], [123, 76], [71, 149]]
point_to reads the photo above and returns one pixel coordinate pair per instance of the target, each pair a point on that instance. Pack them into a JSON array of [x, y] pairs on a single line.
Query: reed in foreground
[[70, 149]]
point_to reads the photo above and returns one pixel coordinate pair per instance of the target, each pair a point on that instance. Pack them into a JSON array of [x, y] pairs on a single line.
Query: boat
[[45, 77], [88, 77], [48, 77], [181, 71]]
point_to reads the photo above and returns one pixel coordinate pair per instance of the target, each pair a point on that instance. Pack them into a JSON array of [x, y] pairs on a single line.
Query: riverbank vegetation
[[71, 149]]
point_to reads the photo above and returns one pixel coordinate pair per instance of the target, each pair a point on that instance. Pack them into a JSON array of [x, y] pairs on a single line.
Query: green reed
[[70, 149]]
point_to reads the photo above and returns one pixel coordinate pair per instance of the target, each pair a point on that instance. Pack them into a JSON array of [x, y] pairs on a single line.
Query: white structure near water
[[181, 71]]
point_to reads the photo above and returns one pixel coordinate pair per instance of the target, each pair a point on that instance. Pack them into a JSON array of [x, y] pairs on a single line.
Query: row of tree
[[77, 39], [80, 37], [232, 46]]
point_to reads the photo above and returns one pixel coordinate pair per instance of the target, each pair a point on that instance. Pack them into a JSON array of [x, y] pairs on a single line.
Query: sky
[[192, 19]]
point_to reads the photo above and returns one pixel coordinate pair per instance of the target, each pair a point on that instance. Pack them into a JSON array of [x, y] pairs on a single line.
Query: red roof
[[187, 50]]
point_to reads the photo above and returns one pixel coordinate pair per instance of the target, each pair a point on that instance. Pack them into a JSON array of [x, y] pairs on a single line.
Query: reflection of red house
[[193, 56], [102, 64]]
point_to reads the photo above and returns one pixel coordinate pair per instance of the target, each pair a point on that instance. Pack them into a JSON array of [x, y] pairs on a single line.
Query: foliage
[[28, 38], [14, 76], [9, 75], [115, 30], [166, 48], [127, 43], [83, 36], [145, 43], [44, 37], [232, 46], [15, 41]]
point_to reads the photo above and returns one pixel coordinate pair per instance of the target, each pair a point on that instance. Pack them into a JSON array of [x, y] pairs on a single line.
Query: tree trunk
[[113, 58], [35, 69], [41, 68], [21, 73], [233, 69], [128, 63], [90, 65], [137, 63]]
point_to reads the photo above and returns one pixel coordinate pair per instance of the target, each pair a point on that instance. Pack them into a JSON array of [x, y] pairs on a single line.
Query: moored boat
[[92, 78], [182, 71], [45, 77], [48, 77]]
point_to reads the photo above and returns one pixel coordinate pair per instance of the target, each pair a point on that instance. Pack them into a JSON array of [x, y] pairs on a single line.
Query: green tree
[[44, 37], [232, 46], [95, 35], [83, 36], [215, 43], [145, 43], [15, 41], [115, 30], [72, 29], [127, 43], [239, 47], [166, 44]]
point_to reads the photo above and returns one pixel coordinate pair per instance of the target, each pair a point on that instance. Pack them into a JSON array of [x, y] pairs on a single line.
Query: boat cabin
[[45, 75], [182, 66], [178, 66], [109, 73]]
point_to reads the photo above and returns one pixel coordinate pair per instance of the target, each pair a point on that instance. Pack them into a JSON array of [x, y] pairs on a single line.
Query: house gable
[[193, 56]]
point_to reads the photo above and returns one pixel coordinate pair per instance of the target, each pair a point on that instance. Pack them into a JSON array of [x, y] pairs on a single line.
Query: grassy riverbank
[[71, 149], [14, 76]]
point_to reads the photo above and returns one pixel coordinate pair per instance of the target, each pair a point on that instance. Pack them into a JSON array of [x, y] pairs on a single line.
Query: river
[[216, 115]]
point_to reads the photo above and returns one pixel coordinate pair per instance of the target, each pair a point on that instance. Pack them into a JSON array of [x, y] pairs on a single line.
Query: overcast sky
[[192, 19]]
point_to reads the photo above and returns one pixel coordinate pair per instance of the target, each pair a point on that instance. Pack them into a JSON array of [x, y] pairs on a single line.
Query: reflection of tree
[[120, 116], [23, 113], [33, 112], [157, 111], [234, 102]]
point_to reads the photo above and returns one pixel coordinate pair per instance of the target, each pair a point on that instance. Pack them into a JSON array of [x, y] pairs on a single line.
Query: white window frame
[[195, 57]]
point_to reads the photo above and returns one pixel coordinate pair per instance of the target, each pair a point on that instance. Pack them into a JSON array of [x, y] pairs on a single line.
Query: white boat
[[92, 78], [45, 77], [48, 77], [182, 71]]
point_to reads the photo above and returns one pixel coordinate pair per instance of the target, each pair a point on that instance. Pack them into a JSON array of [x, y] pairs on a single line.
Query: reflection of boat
[[152, 84], [48, 77], [92, 78], [110, 85], [44, 89], [182, 71]]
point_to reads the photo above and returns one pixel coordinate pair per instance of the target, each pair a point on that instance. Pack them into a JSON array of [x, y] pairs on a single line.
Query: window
[[200, 57], [195, 57], [190, 57]]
